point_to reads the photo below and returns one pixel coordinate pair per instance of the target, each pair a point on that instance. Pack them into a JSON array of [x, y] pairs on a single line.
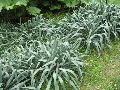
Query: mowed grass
[[103, 73]]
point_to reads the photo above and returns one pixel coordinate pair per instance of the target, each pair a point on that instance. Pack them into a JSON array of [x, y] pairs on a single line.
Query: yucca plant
[[50, 65], [96, 25], [38, 28], [9, 35], [35, 29], [35, 59], [93, 26]]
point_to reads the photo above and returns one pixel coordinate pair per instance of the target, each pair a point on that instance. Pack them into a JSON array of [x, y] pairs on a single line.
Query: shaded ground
[[103, 73]]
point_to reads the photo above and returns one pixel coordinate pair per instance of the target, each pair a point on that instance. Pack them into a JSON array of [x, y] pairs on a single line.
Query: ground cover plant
[[42, 54], [95, 26], [18, 50], [53, 64]]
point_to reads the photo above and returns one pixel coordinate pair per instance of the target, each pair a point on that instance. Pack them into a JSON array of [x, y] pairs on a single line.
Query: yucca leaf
[[49, 84], [55, 77], [73, 85], [10, 79], [61, 82], [19, 85]]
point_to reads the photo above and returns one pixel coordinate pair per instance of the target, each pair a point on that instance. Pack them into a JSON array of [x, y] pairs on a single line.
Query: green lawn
[[103, 73]]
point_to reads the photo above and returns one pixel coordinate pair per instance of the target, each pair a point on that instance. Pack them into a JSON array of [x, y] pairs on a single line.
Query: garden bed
[[47, 54]]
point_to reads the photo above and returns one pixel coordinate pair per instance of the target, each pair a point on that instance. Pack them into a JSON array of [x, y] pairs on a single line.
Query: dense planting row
[[43, 54]]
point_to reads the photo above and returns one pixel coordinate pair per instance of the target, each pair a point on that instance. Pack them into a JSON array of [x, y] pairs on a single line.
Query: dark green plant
[[12, 4], [59, 4], [31, 6]]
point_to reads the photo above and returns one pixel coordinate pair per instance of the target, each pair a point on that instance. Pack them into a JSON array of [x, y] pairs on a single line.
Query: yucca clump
[[38, 28], [50, 65], [34, 57], [95, 25], [9, 35]]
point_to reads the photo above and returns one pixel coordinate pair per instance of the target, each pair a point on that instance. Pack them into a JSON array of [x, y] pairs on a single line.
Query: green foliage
[[13, 4], [43, 54], [58, 4], [115, 2], [95, 25], [32, 58], [52, 64], [103, 72], [116, 83], [10, 4], [32, 5], [70, 3], [8, 36], [33, 11]]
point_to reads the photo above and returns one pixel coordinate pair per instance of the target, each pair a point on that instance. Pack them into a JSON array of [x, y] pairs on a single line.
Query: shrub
[[33, 6], [12, 4], [53, 64]]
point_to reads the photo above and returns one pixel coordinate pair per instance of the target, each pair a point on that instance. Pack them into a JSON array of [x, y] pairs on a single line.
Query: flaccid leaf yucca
[[53, 64]]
